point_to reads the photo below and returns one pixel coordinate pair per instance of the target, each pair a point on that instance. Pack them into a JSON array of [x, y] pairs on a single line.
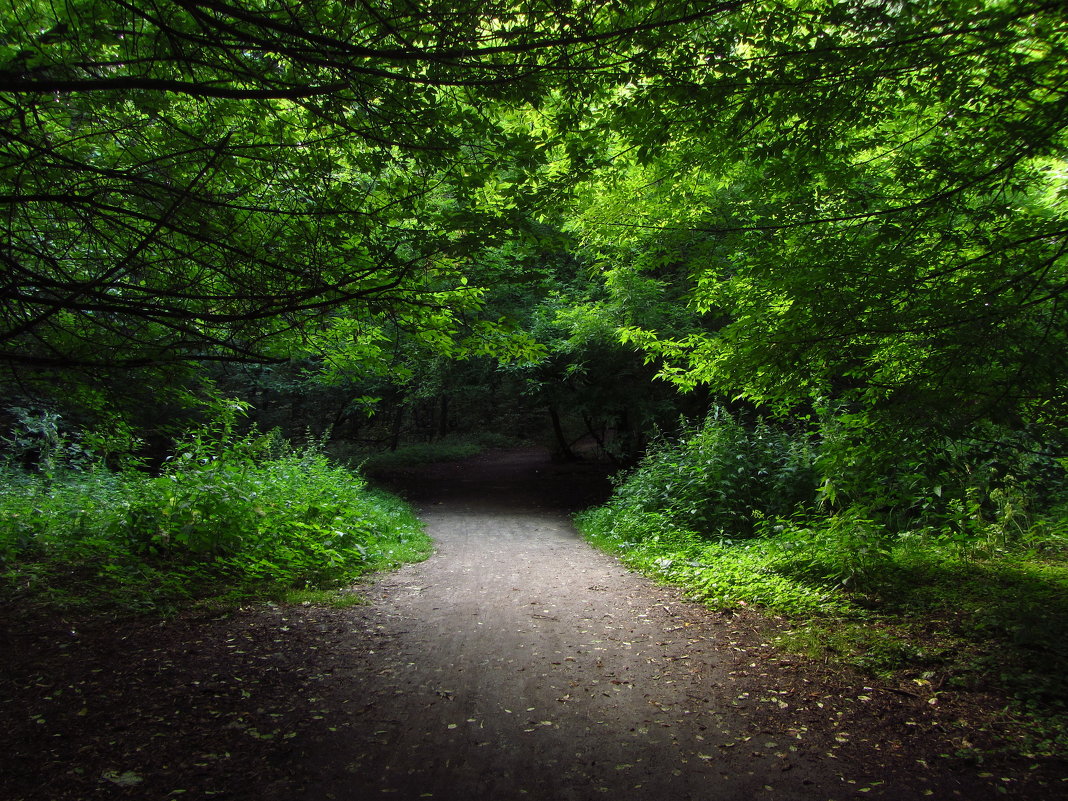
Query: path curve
[[518, 662]]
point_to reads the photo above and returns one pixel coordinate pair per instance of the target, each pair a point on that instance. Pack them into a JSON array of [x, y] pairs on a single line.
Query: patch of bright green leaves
[[721, 573], [233, 516]]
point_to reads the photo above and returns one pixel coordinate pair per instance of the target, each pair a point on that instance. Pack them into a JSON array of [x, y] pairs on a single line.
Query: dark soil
[[517, 662]]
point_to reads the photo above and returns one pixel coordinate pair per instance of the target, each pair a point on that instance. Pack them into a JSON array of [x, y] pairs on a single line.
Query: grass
[[917, 608], [338, 598]]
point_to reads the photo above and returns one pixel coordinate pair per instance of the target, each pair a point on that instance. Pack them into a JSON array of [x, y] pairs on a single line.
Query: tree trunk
[[561, 440]]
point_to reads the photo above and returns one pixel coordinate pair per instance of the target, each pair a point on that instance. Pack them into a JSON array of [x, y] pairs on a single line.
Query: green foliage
[[38, 438], [986, 486], [229, 514], [721, 574], [879, 649], [866, 217], [851, 215], [338, 598], [945, 564], [245, 182], [721, 478], [596, 387], [980, 599]]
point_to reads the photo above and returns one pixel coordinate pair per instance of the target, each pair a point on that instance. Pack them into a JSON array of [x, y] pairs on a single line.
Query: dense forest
[[797, 269]]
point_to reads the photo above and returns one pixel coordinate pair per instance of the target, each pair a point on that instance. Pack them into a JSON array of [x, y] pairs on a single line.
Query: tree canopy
[[838, 204], [217, 181], [865, 200]]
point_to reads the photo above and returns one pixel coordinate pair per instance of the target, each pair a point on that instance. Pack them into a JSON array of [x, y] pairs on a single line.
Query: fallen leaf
[[127, 779]]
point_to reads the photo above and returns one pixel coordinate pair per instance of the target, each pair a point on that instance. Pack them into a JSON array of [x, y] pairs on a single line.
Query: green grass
[[915, 607], [721, 574], [337, 598], [249, 520]]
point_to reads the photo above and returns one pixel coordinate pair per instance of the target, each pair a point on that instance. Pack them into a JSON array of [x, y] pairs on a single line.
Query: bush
[[982, 483], [722, 478], [237, 515], [944, 557]]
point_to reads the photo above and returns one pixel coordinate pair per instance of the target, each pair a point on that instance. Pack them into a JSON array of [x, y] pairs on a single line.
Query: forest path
[[519, 662], [516, 663]]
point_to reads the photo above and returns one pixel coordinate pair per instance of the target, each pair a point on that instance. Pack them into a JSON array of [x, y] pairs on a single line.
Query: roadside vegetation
[[228, 517], [822, 247], [962, 586]]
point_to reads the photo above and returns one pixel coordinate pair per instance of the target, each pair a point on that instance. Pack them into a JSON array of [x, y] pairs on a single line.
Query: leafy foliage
[[863, 207], [219, 181], [720, 479], [229, 514], [965, 585]]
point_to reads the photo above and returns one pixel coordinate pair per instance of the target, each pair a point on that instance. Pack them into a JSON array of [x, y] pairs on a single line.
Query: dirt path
[[516, 663], [521, 663]]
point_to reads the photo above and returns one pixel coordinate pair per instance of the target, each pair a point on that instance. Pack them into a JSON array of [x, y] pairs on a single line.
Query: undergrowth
[[229, 517], [980, 602]]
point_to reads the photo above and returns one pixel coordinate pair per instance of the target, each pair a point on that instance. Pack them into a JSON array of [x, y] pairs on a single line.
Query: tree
[[880, 192], [206, 180]]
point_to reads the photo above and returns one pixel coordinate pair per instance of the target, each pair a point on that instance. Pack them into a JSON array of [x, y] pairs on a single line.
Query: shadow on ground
[[524, 479]]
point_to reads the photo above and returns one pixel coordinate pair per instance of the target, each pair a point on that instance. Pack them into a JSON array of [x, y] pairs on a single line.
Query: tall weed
[[238, 514], [722, 478]]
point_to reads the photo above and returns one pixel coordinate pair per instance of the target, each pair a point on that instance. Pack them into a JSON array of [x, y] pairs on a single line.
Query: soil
[[516, 663]]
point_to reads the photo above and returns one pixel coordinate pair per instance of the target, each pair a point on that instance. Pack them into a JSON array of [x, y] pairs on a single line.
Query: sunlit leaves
[[208, 180], [864, 202]]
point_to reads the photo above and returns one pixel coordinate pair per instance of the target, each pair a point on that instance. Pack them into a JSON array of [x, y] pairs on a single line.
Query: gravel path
[[516, 663], [519, 662]]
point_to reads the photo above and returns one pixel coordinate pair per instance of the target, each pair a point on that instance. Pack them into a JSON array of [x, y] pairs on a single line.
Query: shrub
[[239, 515], [721, 479]]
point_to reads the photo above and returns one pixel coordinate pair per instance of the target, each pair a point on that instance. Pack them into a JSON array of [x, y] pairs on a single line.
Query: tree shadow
[[1011, 617], [503, 480]]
